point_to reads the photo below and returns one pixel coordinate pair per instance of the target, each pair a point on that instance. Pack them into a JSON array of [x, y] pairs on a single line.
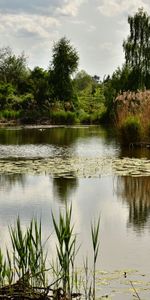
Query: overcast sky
[[96, 28]]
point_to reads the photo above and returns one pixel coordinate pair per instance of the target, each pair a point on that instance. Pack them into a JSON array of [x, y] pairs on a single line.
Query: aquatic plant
[[131, 130], [95, 243], [66, 246], [28, 254]]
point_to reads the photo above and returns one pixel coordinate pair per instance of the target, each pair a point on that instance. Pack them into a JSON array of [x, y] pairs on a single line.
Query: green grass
[[28, 261], [10, 114], [95, 243], [66, 247], [63, 118], [131, 130]]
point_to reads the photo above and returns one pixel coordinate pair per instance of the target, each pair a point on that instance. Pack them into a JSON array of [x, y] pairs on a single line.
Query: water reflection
[[53, 141], [8, 181], [63, 188], [59, 136], [136, 192]]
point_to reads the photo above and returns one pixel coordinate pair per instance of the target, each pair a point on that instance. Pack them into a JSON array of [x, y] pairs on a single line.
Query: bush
[[130, 130], [97, 117], [10, 114], [62, 117], [84, 117]]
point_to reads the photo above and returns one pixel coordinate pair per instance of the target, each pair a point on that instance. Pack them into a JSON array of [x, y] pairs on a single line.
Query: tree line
[[31, 94]]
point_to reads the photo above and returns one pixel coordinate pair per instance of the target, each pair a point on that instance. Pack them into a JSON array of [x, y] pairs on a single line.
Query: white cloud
[[106, 46], [27, 25], [69, 7], [45, 7], [113, 8], [91, 28]]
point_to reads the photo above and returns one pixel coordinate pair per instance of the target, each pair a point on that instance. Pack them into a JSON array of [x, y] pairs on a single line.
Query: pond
[[42, 167]]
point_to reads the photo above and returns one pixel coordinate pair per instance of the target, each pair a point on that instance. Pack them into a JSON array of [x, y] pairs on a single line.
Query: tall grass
[[66, 246], [28, 260], [63, 117], [95, 243], [132, 111], [10, 114], [28, 254], [131, 130]]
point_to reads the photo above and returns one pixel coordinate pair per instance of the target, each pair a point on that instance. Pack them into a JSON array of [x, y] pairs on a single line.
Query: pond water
[[42, 167]]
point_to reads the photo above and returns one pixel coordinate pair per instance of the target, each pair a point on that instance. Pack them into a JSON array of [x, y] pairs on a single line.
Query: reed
[[95, 243], [28, 260], [66, 246], [28, 254], [86, 286]]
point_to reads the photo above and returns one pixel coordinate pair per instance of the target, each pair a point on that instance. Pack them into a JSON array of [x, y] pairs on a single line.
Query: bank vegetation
[[63, 95]]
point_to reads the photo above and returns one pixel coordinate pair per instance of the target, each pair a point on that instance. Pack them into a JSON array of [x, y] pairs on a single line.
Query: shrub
[[84, 118], [10, 114], [62, 117], [130, 130], [97, 117]]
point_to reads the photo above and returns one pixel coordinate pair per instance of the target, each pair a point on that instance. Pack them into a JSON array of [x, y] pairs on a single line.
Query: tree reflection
[[64, 187], [136, 192], [8, 181]]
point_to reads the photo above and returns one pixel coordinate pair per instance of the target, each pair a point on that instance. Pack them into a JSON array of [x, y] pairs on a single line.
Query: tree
[[12, 68], [137, 49], [39, 85], [64, 63], [82, 81]]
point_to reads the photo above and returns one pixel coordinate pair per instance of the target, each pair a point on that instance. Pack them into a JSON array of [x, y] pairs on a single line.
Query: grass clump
[[66, 246], [28, 254], [10, 114], [63, 117], [95, 243], [25, 273], [131, 130]]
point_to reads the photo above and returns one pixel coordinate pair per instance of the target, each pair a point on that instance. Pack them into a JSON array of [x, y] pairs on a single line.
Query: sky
[[95, 28]]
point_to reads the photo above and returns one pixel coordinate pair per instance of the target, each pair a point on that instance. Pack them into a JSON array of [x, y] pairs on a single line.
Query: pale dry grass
[[133, 104]]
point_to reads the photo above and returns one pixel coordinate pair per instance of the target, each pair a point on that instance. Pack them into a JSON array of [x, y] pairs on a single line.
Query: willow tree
[[137, 49], [64, 63]]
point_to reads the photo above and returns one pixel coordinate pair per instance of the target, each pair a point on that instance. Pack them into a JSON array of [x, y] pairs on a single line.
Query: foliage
[[95, 242], [12, 68], [39, 85], [137, 49], [62, 117], [66, 246], [28, 255], [131, 130], [133, 103], [84, 117], [64, 64], [82, 81], [6, 91], [10, 114], [90, 98]]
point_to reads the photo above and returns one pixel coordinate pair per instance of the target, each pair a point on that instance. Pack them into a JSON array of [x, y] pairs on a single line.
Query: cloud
[[41, 7], [26, 26], [70, 7], [32, 6], [91, 28], [111, 8]]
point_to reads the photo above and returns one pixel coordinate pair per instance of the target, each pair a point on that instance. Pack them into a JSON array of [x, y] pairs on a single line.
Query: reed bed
[[27, 273], [132, 111]]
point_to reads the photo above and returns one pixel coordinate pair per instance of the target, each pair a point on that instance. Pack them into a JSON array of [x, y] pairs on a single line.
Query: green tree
[[13, 68], [39, 85], [6, 92], [82, 81], [64, 63], [137, 49]]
